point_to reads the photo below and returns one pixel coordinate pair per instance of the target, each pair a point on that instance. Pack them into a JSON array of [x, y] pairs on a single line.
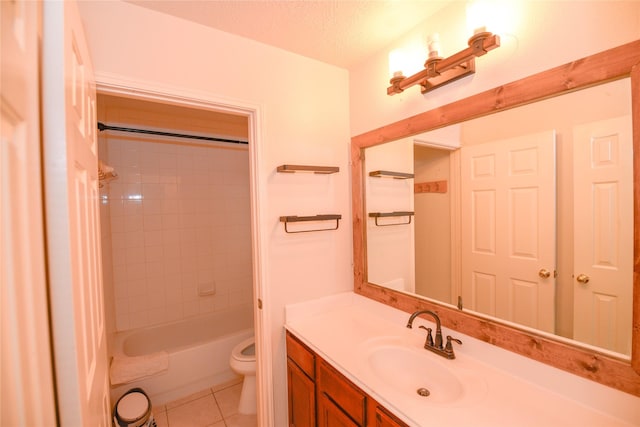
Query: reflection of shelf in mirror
[[391, 174], [326, 217], [430, 187], [324, 170], [377, 215]]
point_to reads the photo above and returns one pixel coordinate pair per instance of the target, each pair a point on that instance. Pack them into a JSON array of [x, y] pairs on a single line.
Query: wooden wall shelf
[[391, 174], [323, 170]]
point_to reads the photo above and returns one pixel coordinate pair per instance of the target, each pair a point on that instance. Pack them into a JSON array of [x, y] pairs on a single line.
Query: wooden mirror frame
[[612, 64]]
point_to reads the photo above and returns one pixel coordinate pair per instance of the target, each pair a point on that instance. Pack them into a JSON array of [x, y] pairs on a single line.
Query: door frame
[[117, 86]]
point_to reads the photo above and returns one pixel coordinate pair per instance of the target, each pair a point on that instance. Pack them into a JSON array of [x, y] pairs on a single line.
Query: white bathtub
[[198, 348]]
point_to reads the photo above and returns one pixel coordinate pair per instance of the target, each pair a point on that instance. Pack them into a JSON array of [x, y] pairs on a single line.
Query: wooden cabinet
[[320, 395]]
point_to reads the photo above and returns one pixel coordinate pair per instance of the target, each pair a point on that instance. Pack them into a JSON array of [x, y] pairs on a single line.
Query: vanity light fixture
[[439, 71]]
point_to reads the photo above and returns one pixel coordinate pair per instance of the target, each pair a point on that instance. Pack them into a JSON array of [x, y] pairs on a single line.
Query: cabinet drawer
[[341, 391], [301, 356]]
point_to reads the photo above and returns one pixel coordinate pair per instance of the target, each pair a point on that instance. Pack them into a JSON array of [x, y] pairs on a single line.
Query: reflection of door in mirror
[[508, 194], [603, 242]]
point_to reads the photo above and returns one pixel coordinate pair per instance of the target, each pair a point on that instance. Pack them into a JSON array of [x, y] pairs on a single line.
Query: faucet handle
[[429, 341], [449, 347]]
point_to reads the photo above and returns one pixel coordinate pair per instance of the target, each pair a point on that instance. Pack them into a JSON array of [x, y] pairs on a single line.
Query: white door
[[508, 209], [27, 394], [73, 230], [603, 233]]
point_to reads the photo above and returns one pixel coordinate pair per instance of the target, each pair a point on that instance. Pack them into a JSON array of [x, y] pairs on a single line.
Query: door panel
[[603, 233], [26, 367], [508, 209], [71, 168]]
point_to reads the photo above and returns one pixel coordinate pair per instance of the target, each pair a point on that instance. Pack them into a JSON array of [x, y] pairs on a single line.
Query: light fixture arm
[[440, 71]]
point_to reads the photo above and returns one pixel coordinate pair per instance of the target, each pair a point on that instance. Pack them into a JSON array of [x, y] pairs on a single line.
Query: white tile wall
[[180, 224]]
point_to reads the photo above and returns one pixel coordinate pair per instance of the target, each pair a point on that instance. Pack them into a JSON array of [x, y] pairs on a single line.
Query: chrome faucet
[[431, 345]]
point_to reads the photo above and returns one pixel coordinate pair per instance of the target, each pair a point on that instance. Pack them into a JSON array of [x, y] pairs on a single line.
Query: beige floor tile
[[197, 413], [191, 397], [237, 380], [158, 408], [161, 419], [228, 400], [239, 420]]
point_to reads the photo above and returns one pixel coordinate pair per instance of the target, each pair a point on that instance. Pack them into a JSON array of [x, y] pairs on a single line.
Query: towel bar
[[328, 217], [377, 215]]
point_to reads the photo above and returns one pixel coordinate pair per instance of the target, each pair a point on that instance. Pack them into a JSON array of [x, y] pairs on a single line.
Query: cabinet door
[[302, 396], [330, 415], [384, 419], [342, 392]]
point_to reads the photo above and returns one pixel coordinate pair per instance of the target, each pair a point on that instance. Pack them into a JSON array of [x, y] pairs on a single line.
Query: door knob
[[544, 273], [582, 278]]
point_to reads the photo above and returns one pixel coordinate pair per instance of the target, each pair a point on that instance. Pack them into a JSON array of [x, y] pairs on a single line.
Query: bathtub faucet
[[431, 345]]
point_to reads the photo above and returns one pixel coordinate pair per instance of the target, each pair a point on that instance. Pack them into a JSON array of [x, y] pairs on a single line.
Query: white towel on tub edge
[[125, 369]]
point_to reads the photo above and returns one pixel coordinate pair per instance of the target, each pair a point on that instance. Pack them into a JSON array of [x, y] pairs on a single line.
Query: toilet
[[243, 362]]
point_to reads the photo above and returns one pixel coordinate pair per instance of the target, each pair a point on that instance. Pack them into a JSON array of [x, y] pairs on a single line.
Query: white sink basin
[[416, 373]]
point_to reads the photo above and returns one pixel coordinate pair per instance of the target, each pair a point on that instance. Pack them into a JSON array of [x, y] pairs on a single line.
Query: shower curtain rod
[[103, 127]]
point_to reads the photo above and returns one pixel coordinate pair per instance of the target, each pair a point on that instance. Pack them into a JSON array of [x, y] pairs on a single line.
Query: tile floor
[[217, 407]]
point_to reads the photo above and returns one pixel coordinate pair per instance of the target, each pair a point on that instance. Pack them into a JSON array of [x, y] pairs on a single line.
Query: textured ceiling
[[338, 32]]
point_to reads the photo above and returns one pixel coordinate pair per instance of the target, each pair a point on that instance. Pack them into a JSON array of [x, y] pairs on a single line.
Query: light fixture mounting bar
[[441, 71]]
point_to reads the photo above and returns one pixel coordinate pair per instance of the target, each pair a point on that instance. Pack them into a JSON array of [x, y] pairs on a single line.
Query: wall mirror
[[470, 226], [418, 241]]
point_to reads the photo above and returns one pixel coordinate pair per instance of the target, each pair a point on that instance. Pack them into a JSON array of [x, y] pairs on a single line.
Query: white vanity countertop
[[515, 391]]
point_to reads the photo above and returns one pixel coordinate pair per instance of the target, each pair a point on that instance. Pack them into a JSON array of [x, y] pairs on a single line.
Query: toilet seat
[[245, 351]]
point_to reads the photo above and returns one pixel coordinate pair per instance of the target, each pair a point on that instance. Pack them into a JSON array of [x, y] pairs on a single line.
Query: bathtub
[[198, 349]]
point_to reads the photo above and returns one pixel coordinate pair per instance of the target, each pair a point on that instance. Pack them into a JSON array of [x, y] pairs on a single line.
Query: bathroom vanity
[[351, 361], [320, 395]]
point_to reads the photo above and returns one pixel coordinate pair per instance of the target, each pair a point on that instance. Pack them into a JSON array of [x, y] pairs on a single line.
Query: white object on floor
[[125, 369]]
